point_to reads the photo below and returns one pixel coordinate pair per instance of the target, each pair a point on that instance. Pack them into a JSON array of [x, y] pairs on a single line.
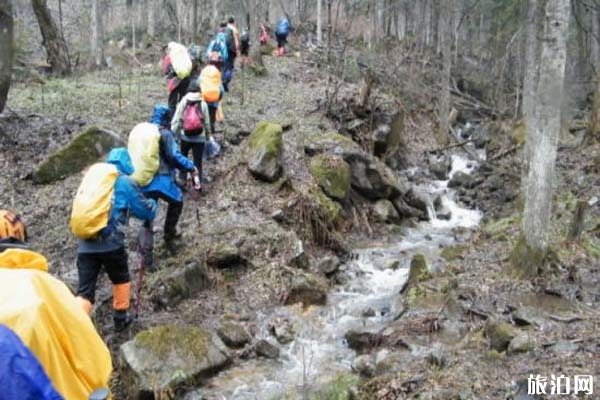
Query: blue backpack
[[283, 27], [218, 45]]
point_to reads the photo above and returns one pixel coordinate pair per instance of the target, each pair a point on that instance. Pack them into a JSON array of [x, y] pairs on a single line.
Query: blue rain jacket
[[127, 198], [21, 375]]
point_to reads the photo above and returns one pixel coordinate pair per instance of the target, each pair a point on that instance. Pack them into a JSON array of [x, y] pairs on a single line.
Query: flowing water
[[373, 280]]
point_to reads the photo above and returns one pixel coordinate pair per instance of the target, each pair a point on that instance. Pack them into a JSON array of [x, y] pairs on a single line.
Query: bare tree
[[56, 47], [255, 51], [151, 26], [319, 21], [97, 32], [6, 49], [532, 248], [446, 17]]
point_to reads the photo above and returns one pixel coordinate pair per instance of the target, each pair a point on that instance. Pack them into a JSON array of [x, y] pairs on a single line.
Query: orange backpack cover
[[210, 84]]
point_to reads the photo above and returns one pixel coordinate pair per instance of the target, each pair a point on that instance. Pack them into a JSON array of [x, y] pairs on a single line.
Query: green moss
[[82, 151], [167, 339], [499, 334], [526, 261], [518, 135], [418, 269], [494, 355], [501, 225], [268, 135], [337, 389], [331, 140], [332, 208], [591, 247], [414, 295], [452, 253], [332, 174], [267, 49]]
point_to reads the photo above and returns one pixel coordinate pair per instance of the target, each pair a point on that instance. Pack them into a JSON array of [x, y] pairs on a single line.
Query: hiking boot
[[122, 319]]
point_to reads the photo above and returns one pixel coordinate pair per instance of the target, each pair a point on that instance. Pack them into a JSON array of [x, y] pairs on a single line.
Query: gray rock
[[265, 146], [528, 316], [364, 365], [439, 167], [84, 150], [233, 335], [387, 362], [266, 349], [176, 285], [361, 341], [299, 258], [283, 330], [368, 313], [328, 265], [407, 211], [224, 255], [462, 179], [522, 343], [306, 288], [278, 215], [385, 211], [499, 334], [149, 360], [564, 347]]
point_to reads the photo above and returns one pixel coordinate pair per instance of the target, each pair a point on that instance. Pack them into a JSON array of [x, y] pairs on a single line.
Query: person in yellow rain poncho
[[50, 348]]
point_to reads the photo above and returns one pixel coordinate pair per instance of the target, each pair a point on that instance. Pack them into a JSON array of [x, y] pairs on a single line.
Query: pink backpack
[[192, 118]]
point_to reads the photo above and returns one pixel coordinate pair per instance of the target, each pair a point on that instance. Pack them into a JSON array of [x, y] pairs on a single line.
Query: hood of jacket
[[160, 115], [119, 157], [20, 258]]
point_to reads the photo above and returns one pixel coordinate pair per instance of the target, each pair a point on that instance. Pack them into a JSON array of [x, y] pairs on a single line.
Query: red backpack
[[192, 117]]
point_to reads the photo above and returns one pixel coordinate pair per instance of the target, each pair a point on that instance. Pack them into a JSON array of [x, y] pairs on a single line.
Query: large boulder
[[386, 212], [265, 145], [85, 149], [149, 361], [234, 335], [171, 286], [332, 173], [306, 288], [387, 137]]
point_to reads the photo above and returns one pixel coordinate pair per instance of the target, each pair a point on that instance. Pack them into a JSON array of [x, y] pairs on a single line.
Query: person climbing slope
[[50, 348], [281, 34], [101, 208], [177, 67], [211, 88]]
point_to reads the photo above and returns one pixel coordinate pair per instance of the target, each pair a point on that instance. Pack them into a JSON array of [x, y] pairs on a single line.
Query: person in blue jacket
[[281, 33], [107, 249], [164, 185]]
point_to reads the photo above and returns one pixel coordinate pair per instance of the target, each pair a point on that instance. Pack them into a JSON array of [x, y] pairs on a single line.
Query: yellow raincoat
[[42, 311]]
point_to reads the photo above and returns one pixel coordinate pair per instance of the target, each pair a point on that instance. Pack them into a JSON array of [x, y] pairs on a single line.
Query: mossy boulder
[[452, 253], [306, 288], [331, 209], [419, 271], [171, 286], [166, 358], [499, 334], [84, 150], [234, 335], [265, 146], [331, 142], [522, 343], [332, 174]]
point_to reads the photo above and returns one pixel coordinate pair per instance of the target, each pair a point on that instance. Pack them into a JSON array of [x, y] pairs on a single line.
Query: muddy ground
[[41, 118]]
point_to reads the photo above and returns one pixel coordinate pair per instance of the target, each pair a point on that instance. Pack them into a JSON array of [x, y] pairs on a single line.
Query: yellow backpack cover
[[143, 145], [93, 200], [180, 59]]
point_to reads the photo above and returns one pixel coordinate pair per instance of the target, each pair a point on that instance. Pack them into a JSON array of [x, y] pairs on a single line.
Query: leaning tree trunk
[[6, 49], [56, 47], [530, 251]]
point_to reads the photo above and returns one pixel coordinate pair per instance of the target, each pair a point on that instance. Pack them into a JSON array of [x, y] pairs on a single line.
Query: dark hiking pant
[[176, 95], [89, 266], [212, 113], [197, 150], [174, 209]]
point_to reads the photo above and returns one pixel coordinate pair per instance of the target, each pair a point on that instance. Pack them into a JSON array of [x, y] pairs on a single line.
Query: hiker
[[107, 187], [264, 35], [50, 348], [216, 51], [245, 47], [281, 34], [163, 184], [176, 66], [211, 88], [193, 119], [232, 40]]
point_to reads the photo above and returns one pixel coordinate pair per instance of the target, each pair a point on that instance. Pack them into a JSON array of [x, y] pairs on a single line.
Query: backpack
[[218, 47], [192, 117], [283, 28], [93, 200], [229, 40], [210, 84], [143, 146], [180, 60]]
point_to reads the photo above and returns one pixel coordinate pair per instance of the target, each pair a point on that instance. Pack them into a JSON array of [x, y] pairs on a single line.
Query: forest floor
[[561, 326]]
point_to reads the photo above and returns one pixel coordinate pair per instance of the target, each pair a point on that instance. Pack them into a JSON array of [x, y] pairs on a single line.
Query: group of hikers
[[50, 347]]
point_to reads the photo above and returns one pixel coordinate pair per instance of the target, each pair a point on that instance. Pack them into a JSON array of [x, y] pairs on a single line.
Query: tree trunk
[[214, 17], [594, 40], [256, 50], [97, 33], [6, 49], [593, 130], [56, 48], [151, 27], [444, 106], [538, 196], [530, 80], [194, 29], [319, 21]]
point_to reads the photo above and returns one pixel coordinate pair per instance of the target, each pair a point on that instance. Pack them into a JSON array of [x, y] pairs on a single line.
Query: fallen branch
[[459, 144], [505, 153], [569, 319]]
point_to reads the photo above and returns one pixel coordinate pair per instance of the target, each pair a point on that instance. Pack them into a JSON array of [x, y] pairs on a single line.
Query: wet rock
[[233, 335], [407, 211], [461, 179], [265, 145], [499, 334], [364, 365], [299, 257], [278, 215], [283, 330], [385, 211], [85, 149], [332, 174], [368, 313], [175, 285], [393, 265], [149, 359], [564, 347], [266, 349], [528, 316], [440, 167], [224, 255], [361, 341], [522, 343], [387, 361], [306, 288], [328, 265], [419, 271]]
